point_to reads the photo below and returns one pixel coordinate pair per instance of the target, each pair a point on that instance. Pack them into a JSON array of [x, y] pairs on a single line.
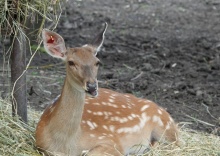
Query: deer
[[88, 120]]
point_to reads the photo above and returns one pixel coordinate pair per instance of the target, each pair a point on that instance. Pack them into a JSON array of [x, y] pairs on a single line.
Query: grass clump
[[16, 137], [193, 143]]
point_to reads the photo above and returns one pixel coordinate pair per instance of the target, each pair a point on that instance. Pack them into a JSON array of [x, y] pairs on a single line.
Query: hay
[[14, 15], [17, 138], [193, 143]]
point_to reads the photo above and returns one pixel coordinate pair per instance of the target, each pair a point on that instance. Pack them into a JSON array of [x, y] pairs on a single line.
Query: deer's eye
[[71, 63]]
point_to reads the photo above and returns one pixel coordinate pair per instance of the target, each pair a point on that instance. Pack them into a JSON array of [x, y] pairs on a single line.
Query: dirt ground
[[166, 51]]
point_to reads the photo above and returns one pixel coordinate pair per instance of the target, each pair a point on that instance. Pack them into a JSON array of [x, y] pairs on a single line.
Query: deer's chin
[[93, 93]]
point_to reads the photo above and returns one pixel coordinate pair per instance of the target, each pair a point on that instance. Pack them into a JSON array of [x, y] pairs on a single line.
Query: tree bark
[[18, 65]]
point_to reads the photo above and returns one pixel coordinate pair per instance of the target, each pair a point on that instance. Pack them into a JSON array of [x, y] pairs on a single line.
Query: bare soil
[[166, 51]]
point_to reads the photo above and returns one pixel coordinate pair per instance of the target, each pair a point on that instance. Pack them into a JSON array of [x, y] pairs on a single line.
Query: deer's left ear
[[99, 39]]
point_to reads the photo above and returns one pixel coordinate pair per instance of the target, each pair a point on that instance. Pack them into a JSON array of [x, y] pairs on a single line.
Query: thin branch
[[200, 121], [136, 77], [207, 109]]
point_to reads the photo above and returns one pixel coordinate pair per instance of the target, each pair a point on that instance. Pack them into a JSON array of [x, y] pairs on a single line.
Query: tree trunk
[[18, 65]]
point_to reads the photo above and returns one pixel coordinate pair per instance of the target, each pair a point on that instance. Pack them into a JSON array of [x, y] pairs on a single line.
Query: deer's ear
[[98, 40], [54, 44]]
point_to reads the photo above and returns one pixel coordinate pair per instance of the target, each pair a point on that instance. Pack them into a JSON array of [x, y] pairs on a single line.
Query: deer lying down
[[96, 120]]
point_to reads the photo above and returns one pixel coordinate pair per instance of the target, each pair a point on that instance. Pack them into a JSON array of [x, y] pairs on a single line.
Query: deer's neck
[[69, 108]]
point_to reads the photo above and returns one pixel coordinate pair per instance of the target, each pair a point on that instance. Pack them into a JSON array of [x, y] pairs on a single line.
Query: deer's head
[[81, 62]]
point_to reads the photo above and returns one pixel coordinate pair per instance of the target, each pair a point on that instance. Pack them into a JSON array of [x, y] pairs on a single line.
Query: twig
[[136, 77], [53, 84], [107, 81], [128, 67], [207, 109], [191, 108], [200, 121]]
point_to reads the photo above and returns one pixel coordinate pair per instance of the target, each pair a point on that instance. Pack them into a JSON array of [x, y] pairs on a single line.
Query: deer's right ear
[[54, 44]]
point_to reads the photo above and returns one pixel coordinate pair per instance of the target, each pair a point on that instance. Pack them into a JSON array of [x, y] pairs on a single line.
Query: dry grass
[[14, 15], [193, 144], [17, 138]]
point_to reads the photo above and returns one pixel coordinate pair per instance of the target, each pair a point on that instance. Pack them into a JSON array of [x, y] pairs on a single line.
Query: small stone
[[199, 93], [147, 67], [176, 92], [173, 65]]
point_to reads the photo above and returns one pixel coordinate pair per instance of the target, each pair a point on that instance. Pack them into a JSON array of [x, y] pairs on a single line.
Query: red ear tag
[[51, 40]]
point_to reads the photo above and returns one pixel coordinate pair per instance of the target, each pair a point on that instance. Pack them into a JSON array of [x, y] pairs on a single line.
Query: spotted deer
[[87, 120]]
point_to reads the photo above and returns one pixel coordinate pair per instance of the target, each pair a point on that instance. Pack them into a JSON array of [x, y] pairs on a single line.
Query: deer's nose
[[91, 88]]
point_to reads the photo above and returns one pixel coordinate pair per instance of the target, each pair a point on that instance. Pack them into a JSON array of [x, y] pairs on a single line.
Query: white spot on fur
[[127, 96], [118, 112], [99, 113], [101, 137], [144, 118], [115, 118], [96, 103], [133, 115], [94, 124], [110, 135], [129, 129], [91, 125], [107, 113], [105, 127], [123, 120], [89, 111], [148, 101], [158, 120], [111, 100], [112, 97], [104, 103], [144, 107], [112, 105], [130, 118], [168, 126], [170, 119], [123, 106], [112, 128], [159, 111]]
